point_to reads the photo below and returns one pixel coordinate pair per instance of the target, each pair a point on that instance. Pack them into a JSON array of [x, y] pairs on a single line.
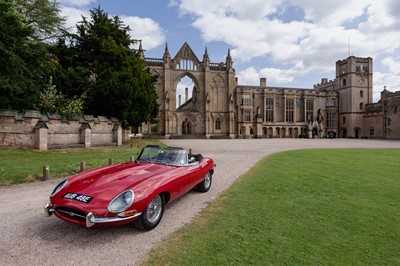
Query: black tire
[[205, 185], [152, 215]]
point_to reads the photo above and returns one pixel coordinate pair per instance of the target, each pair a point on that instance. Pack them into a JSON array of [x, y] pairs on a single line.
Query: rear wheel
[[205, 185], [152, 215]]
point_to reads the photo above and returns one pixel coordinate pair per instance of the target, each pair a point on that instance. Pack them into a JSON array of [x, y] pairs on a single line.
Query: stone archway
[[214, 85]]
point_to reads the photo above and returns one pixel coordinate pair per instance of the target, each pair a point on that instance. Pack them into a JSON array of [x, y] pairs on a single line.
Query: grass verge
[[310, 207], [26, 165]]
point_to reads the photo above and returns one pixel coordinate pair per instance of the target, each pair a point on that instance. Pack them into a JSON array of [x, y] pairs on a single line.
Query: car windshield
[[156, 154]]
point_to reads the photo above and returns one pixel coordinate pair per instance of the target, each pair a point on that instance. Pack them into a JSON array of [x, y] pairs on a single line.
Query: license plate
[[78, 197]]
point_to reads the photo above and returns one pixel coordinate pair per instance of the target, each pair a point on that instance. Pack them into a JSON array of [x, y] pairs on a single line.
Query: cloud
[[330, 13], [147, 30], [76, 3], [73, 16], [392, 64], [327, 32], [382, 80]]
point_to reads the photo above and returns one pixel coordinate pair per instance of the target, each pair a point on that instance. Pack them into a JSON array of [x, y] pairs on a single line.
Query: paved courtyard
[[29, 238]]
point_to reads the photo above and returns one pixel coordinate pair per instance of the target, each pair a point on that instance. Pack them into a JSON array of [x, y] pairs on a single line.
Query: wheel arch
[[166, 196]]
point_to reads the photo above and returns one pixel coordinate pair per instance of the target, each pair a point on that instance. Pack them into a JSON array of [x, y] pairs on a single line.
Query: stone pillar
[[41, 139], [86, 135], [259, 127], [117, 131], [41, 136]]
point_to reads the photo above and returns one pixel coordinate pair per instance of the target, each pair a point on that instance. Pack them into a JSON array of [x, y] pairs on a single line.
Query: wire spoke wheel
[[205, 185], [154, 209], [152, 215]]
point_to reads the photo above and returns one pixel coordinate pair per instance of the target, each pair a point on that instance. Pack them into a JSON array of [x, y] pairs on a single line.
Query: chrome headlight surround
[[59, 187], [121, 202]]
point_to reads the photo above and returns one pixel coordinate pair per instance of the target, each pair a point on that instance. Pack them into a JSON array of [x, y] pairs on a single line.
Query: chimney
[[186, 94], [179, 102], [263, 82]]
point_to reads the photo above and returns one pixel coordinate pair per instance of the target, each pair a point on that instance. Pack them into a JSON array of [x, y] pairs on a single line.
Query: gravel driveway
[[29, 238]]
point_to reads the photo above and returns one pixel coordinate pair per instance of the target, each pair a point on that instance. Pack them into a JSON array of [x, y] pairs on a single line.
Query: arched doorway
[[357, 133], [343, 133], [186, 127]]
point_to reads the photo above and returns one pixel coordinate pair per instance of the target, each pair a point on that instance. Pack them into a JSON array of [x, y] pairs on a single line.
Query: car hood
[[106, 182]]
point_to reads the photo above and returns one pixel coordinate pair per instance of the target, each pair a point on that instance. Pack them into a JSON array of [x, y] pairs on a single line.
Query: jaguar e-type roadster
[[132, 192]]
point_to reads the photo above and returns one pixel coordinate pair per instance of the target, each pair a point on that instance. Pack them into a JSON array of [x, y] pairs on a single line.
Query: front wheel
[[205, 185], [152, 215]]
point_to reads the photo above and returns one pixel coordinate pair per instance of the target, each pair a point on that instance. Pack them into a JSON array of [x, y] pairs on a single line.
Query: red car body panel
[[145, 179]]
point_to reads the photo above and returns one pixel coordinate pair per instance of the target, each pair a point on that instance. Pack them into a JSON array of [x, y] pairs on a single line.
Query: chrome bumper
[[91, 219], [48, 210]]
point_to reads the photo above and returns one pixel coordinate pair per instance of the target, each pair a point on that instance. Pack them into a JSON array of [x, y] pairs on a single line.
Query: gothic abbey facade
[[218, 107]]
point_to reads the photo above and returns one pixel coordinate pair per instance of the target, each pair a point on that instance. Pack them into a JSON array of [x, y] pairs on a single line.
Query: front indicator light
[[127, 213]]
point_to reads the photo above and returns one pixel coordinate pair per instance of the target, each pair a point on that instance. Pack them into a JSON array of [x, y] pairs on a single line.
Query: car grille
[[71, 213]]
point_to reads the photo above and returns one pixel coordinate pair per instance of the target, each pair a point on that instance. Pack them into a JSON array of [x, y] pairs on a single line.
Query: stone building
[[221, 108]]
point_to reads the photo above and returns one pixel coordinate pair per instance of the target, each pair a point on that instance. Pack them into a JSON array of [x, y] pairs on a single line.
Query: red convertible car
[[131, 192]]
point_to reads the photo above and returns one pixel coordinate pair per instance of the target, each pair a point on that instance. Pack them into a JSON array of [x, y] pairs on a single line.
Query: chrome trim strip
[[48, 210], [92, 220]]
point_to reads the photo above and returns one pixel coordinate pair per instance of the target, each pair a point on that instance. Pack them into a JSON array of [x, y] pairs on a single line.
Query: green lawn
[[25, 165], [310, 207]]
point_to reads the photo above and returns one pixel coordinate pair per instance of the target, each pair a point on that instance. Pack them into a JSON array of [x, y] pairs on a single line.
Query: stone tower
[[354, 88]]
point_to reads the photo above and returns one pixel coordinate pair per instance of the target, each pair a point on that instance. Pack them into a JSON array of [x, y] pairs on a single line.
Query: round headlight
[[58, 187], [121, 202]]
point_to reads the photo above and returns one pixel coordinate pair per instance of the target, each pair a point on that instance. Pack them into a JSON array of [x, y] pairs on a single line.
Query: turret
[[206, 59], [166, 56], [229, 61]]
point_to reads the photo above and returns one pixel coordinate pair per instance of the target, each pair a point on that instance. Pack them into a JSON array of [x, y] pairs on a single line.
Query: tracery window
[[186, 64]]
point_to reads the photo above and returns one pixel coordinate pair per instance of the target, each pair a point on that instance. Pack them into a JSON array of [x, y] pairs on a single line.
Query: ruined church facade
[[218, 107]]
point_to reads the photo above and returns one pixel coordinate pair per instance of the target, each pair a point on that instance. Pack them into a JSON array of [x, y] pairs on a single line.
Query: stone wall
[[51, 131]]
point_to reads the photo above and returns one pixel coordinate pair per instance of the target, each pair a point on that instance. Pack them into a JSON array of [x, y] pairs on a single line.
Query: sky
[[291, 43]]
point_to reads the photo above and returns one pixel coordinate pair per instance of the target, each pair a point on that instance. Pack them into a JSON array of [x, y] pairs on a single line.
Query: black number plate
[[78, 197]]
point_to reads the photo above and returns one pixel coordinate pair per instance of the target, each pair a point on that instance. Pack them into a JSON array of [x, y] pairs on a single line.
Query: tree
[[111, 74], [24, 61], [53, 101], [43, 16]]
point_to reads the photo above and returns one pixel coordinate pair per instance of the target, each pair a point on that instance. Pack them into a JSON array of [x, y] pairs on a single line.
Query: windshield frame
[[169, 155]]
